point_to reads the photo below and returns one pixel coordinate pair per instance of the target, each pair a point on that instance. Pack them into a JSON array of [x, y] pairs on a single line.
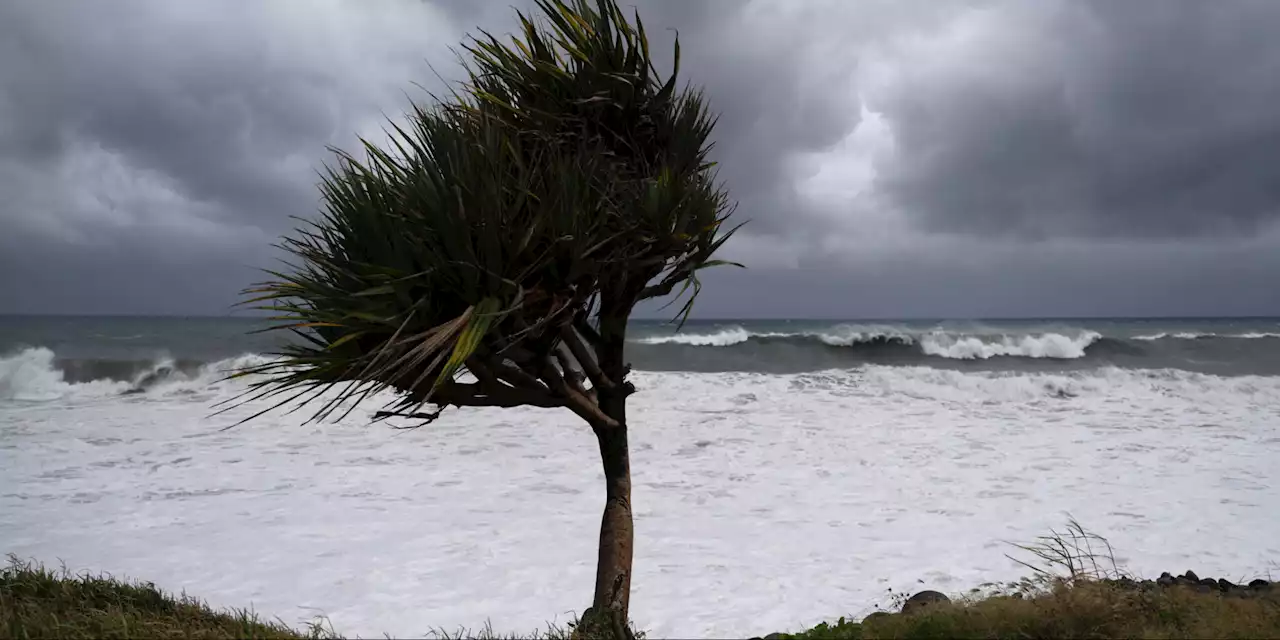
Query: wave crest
[[31, 375], [1191, 335], [34, 375], [1044, 345], [723, 338], [942, 344]]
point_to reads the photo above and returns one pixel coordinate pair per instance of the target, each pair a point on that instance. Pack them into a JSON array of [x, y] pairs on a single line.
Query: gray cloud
[[1136, 119], [894, 158], [143, 139]]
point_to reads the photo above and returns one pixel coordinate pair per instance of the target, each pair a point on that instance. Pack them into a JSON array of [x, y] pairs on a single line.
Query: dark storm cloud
[[773, 96], [143, 139], [926, 157], [1139, 119]]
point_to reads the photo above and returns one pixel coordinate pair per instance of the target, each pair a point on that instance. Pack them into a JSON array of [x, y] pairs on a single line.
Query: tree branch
[[482, 372], [427, 417], [585, 407], [478, 395], [658, 290], [518, 377], [589, 332], [667, 284], [572, 376], [586, 358], [510, 350]]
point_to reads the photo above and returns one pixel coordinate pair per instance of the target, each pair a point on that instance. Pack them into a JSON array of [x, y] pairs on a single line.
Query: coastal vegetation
[[1074, 590]]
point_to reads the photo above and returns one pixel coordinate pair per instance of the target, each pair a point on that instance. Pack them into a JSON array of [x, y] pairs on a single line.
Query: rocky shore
[[1206, 585]]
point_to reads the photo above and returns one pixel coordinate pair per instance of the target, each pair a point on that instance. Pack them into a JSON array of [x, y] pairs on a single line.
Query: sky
[[893, 158]]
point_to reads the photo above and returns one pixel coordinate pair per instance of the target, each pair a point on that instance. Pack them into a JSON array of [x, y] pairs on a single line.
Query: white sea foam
[[1045, 345], [763, 502], [849, 335], [30, 376], [1189, 335], [960, 346], [721, 338]]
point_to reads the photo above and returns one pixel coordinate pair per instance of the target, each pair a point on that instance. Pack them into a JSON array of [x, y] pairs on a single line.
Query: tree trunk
[[617, 532]]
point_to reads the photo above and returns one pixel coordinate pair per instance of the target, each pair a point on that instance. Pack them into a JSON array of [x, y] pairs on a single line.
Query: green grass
[[1079, 609], [36, 602], [1076, 591]]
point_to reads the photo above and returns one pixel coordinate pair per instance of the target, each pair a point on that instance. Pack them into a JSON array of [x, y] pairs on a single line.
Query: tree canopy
[[564, 179]]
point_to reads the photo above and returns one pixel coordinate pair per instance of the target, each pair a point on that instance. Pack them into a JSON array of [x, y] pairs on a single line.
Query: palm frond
[[563, 178]]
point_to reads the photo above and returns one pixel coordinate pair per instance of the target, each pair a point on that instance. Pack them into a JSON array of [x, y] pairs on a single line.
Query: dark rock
[[1191, 575], [1166, 580], [1208, 582], [1259, 584], [1225, 585], [878, 615], [924, 600], [1185, 581]]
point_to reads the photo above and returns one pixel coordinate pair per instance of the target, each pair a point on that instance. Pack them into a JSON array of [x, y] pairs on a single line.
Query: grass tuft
[[1074, 554]]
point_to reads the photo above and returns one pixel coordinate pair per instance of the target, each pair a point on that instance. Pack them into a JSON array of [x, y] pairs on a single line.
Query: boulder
[[1166, 580], [1259, 584], [876, 616], [1191, 575], [924, 600]]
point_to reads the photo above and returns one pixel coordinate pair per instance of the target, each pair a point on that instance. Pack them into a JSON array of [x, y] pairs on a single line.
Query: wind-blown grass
[[36, 602]]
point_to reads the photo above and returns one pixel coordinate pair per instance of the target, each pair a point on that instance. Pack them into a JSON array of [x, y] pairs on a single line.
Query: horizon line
[[179, 316]]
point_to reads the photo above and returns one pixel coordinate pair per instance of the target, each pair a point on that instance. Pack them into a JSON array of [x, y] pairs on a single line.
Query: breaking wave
[[941, 344], [39, 374], [36, 374]]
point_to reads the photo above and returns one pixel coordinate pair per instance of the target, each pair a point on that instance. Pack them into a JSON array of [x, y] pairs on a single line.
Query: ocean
[[785, 471]]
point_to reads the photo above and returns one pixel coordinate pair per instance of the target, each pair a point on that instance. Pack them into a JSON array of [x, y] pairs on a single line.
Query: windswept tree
[[491, 255]]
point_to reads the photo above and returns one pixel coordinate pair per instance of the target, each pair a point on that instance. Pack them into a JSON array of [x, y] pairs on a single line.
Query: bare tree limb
[[482, 372], [588, 332], [573, 376], [586, 358], [477, 395], [580, 404], [658, 290], [517, 376], [425, 415]]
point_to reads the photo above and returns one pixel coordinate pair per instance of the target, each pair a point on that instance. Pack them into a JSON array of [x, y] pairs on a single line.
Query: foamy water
[[763, 502], [941, 344]]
